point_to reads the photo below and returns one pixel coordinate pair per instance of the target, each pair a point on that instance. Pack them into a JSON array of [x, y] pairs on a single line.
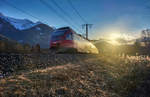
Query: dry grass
[[82, 76]]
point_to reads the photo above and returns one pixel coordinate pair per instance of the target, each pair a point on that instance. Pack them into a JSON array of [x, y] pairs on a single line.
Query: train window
[[59, 33], [69, 36]]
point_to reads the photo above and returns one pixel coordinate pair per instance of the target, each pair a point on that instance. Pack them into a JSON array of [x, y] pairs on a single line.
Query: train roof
[[66, 28], [63, 28]]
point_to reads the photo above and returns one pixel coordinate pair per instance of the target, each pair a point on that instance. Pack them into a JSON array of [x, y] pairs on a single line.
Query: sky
[[126, 17]]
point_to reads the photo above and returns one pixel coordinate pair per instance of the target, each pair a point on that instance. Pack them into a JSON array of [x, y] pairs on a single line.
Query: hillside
[[25, 31], [75, 75]]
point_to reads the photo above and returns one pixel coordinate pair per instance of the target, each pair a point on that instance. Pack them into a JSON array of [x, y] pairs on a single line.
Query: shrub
[[19, 47], [27, 47], [36, 48], [3, 46]]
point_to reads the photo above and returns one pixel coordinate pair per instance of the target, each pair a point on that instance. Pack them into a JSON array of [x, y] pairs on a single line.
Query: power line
[[25, 12], [61, 9], [73, 7], [55, 11], [6, 2], [86, 25]]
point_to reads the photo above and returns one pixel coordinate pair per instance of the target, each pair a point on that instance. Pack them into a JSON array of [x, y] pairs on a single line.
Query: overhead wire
[[76, 11], [49, 6], [56, 12], [62, 10]]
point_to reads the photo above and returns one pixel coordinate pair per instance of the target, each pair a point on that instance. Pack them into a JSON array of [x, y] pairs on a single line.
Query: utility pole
[[87, 26]]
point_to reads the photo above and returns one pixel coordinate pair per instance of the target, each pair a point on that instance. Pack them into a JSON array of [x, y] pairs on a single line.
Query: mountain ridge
[[35, 34], [20, 24]]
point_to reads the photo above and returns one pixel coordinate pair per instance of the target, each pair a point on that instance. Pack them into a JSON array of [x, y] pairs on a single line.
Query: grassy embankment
[[80, 75]]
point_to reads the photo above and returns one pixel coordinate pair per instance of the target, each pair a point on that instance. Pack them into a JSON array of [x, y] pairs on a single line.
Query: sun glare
[[113, 38]]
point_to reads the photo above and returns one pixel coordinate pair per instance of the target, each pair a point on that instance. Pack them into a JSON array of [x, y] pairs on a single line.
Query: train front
[[67, 40], [61, 38]]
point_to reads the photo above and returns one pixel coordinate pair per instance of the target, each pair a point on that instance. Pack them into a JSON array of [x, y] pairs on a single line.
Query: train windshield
[[69, 36], [58, 35]]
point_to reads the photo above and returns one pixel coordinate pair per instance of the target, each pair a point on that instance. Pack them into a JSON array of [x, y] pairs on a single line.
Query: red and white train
[[66, 38]]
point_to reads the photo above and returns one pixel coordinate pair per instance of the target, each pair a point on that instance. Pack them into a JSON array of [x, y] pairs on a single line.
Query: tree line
[[9, 47]]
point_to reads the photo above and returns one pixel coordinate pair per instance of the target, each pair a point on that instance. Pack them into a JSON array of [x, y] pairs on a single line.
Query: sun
[[113, 38]]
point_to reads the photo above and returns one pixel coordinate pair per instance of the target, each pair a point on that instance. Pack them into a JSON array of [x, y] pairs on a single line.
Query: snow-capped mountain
[[20, 24], [25, 31]]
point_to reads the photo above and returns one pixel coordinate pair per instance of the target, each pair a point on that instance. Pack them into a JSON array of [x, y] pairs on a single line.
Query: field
[[74, 75]]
